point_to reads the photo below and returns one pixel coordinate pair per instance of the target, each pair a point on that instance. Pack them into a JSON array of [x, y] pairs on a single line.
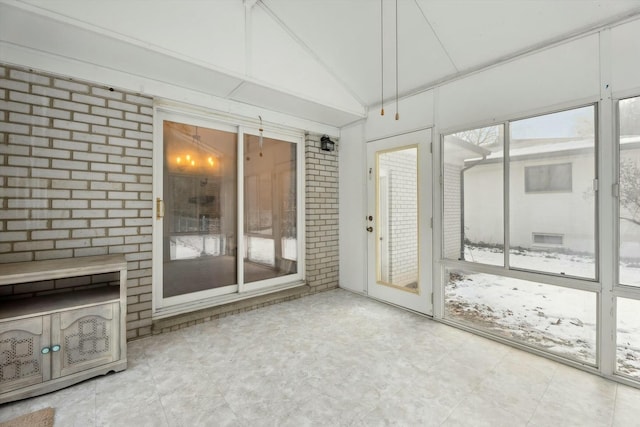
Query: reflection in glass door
[[199, 186], [270, 210]]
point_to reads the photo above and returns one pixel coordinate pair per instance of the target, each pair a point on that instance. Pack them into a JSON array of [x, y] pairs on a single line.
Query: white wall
[[571, 214], [625, 58], [352, 208], [416, 112], [563, 76], [556, 76]]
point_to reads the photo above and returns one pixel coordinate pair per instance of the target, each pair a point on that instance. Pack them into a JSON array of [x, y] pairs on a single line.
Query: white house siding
[[570, 214], [483, 206]]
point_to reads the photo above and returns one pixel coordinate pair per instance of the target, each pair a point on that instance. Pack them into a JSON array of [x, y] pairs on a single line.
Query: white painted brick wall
[[452, 213], [80, 157], [66, 150], [322, 256]]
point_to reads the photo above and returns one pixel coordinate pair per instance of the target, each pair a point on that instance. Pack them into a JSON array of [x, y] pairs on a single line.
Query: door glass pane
[[552, 202], [552, 318], [630, 191], [473, 195], [270, 211], [628, 337], [199, 244], [397, 218]]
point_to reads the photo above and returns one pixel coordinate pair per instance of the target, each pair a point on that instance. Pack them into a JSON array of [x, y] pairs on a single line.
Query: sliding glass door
[[227, 210]]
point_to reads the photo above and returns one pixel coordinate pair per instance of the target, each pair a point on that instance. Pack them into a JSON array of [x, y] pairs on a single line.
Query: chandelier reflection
[[191, 161]]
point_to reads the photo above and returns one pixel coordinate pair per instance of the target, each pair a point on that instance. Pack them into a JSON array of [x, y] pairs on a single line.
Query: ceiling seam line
[[523, 53], [235, 89], [121, 37], [309, 51], [424, 15]]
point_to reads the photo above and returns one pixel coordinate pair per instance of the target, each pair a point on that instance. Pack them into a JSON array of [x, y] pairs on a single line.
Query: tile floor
[[336, 359]]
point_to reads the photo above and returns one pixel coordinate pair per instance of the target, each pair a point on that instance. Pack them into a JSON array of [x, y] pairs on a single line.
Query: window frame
[[576, 282], [619, 290]]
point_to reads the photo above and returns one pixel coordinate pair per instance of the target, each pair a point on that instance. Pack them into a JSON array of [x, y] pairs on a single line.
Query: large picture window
[[629, 192], [628, 309], [521, 196], [552, 157]]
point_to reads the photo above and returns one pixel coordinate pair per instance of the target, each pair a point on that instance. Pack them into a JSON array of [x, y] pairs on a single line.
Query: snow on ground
[[557, 319]]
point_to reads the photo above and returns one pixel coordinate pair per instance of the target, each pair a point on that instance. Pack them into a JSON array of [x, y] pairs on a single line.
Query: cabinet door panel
[[88, 337], [21, 360]]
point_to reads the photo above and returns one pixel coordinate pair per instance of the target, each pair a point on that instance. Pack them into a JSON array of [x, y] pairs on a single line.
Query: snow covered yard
[[557, 319]]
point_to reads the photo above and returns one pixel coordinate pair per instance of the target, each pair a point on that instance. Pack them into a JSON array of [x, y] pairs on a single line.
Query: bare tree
[[630, 190], [630, 116], [482, 137]]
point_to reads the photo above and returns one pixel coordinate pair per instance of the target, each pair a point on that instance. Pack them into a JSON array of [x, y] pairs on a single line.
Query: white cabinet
[[48, 342]]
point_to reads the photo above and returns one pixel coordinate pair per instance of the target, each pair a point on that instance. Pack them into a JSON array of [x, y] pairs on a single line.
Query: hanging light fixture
[[192, 160]]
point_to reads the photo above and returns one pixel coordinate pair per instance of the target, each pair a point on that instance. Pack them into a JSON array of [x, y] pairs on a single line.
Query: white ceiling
[[315, 59]]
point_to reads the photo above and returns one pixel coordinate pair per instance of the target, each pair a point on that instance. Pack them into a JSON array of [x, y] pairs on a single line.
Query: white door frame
[[421, 301]]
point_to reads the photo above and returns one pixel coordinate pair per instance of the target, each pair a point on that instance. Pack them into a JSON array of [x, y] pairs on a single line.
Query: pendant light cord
[[381, 59], [397, 114]]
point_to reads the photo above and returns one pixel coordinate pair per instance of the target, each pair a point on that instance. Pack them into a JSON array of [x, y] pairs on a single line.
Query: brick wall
[[76, 177], [321, 215], [452, 211], [76, 180], [401, 238]]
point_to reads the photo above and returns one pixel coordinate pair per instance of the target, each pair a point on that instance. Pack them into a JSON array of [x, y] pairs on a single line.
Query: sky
[[558, 125]]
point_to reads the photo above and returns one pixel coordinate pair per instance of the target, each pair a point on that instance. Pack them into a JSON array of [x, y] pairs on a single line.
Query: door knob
[[370, 229]]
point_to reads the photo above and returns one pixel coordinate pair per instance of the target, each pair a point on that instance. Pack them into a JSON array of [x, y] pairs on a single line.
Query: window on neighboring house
[[547, 239], [547, 178]]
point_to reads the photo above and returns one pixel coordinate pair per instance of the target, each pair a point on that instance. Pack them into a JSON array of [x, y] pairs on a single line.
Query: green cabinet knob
[[55, 348], [45, 350]]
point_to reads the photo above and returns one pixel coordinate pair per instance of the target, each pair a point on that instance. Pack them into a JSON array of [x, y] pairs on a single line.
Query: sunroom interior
[[470, 169]]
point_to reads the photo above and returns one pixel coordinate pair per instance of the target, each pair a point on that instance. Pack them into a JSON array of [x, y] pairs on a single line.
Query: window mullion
[[606, 149], [240, 209], [505, 198]]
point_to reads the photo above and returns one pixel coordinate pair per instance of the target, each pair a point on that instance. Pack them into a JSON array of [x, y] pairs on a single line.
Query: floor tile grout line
[[615, 401], [535, 411]]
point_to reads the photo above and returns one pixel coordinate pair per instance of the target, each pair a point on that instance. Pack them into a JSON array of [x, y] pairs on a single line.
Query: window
[[547, 178], [553, 318], [473, 195], [540, 171], [558, 195], [547, 239], [629, 192], [628, 337]]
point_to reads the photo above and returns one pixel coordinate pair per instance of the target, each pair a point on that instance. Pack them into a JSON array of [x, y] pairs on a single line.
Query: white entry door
[[399, 220]]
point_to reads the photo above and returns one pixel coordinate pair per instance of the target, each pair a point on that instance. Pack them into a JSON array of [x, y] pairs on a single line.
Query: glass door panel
[[200, 223], [270, 195], [397, 213]]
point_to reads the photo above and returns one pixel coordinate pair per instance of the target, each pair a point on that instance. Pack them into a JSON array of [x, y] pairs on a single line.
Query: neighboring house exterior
[[551, 191]]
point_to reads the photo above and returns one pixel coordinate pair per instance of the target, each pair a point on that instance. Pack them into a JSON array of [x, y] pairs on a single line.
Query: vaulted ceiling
[[315, 59]]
